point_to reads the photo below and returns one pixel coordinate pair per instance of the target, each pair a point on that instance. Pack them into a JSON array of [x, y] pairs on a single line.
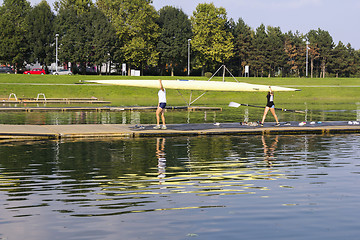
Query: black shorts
[[162, 105], [270, 104]]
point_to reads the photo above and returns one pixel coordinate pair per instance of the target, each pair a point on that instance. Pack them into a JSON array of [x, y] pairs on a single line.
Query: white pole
[[189, 56], [307, 57], [56, 52]]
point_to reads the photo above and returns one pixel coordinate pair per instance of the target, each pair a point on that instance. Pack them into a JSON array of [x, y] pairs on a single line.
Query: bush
[[208, 74]]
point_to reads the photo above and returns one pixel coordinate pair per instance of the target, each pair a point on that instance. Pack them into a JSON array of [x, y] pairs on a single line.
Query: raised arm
[[270, 90], [161, 86]]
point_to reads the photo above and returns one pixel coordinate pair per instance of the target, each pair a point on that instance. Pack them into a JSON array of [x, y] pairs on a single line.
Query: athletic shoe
[[157, 127], [261, 124], [278, 124], [164, 127]]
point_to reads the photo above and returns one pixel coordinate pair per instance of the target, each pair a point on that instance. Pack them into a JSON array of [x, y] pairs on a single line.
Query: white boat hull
[[196, 85]]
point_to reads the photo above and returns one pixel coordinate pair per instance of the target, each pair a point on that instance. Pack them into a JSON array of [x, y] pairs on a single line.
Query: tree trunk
[[311, 67], [224, 74], [323, 67]]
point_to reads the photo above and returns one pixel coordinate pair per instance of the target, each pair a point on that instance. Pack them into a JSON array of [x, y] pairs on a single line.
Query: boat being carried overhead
[[197, 85]]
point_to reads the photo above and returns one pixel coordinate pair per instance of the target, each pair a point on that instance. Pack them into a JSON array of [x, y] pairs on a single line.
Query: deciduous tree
[[212, 39], [41, 36], [14, 48], [136, 29], [86, 38], [175, 28]]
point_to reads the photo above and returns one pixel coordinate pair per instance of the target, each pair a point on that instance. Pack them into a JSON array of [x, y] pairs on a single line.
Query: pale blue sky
[[339, 18]]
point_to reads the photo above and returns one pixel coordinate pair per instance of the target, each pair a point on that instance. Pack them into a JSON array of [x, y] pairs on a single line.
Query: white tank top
[[162, 96], [271, 98]]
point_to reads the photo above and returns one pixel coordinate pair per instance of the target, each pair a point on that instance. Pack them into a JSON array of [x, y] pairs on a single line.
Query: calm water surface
[[252, 187], [240, 114]]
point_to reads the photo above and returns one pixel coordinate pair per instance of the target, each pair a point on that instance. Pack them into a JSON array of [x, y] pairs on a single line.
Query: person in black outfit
[[270, 105]]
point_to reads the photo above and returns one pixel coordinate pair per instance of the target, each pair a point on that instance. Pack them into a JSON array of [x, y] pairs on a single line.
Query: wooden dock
[[44, 100], [96, 131]]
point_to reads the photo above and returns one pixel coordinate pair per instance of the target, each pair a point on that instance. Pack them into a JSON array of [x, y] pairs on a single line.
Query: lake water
[[240, 114], [232, 187]]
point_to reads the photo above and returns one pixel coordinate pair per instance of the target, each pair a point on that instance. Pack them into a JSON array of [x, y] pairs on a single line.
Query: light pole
[[307, 57], [189, 56], [56, 52]]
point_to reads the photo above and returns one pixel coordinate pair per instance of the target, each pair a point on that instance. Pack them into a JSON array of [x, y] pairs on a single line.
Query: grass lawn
[[328, 93]]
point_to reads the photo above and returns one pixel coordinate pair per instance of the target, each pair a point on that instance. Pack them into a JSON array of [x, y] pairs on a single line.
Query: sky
[[339, 18]]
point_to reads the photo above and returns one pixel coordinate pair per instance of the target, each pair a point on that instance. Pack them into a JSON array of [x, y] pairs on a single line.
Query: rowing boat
[[196, 85]]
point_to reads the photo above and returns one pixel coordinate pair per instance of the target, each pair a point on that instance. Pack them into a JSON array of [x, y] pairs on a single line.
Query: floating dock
[[96, 131], [52, 100]]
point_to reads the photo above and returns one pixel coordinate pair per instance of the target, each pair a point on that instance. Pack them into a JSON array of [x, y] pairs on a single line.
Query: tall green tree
[[295, 50], [324, 42], [275, 48], [80, 6], [175, 28], [14, 48], [41, 36], [212, 39], [341, 61], [243, 37], [354, 60], [85, 38], [259, 55], [101, 37], [136, 30]]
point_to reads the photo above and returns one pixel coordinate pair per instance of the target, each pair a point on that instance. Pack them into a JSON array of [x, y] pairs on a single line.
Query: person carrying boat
[[161, 107], [270, 105]]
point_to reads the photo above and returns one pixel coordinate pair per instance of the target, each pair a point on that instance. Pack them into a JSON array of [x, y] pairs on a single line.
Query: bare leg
[[163, 117], [272, 110], [265, 113], [158, 111]]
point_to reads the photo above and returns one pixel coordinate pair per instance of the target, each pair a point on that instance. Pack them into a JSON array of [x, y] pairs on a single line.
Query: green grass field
[[328, 93]]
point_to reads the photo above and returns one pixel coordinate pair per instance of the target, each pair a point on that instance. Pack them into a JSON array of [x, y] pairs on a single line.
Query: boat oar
[[236, 105]]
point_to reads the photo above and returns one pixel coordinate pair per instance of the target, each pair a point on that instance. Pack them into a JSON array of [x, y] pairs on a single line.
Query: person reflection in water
[[160, 154], [269, 151]]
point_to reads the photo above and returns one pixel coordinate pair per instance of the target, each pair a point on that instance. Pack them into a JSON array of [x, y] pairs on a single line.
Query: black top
[[269, 103]]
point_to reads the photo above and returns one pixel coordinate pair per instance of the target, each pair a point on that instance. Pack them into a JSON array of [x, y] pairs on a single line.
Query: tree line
[[164, 42]]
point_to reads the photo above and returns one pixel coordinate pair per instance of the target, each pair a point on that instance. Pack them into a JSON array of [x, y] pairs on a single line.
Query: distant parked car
[[63, 72], [7, 70], [35, 71]]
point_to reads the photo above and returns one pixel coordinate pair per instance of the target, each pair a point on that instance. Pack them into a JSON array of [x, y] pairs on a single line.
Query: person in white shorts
[[161, 107]]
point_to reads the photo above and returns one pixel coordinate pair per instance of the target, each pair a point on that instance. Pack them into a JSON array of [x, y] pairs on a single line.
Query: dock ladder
[[12, 94], [40, 94]]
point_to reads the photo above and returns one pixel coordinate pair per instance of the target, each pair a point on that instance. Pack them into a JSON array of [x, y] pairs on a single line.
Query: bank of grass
[[328, 93]]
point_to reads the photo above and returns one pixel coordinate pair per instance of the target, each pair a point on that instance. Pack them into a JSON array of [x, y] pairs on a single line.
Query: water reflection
[[175, 116], [269, 150], [160, 154], [224, 181]]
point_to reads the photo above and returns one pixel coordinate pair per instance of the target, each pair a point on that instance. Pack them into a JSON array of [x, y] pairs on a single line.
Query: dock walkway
[[91, 131]]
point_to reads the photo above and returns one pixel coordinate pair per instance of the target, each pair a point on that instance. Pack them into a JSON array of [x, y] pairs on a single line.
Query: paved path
[[126, 130]]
